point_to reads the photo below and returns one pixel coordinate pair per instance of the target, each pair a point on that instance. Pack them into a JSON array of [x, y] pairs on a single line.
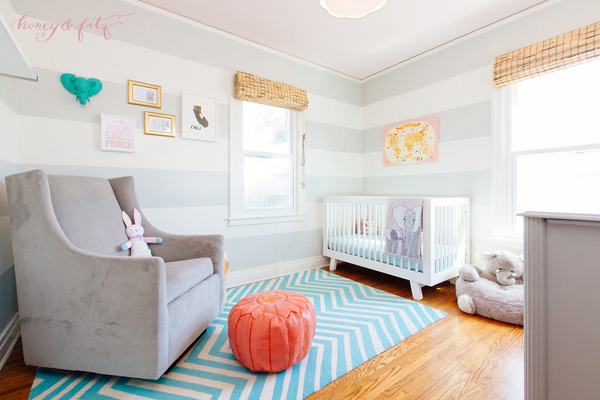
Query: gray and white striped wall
[[455, 83], [183, 185]]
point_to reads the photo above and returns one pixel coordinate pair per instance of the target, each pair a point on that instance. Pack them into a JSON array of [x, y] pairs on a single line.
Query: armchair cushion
[[88, 213], [184, 275]]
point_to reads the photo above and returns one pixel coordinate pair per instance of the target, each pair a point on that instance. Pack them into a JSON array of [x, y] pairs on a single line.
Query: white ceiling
[[357, 48]]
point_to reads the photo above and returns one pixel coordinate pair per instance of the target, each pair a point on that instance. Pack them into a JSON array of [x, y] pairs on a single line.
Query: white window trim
[[507, 233], [237, 215], [503, 174]]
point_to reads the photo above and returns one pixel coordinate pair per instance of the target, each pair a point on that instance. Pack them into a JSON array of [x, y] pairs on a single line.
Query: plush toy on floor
[[496, 291], [135, 232]]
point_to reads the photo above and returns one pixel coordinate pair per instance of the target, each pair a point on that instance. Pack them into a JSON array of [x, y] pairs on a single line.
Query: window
[[265, 171], [268, 158], [551, 146]]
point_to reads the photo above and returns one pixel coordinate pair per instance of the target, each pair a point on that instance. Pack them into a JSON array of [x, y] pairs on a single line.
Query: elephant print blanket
[[403, 228]]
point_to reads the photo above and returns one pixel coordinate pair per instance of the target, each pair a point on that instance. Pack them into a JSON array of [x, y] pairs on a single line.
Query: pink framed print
[[411, 142], [117, 133]]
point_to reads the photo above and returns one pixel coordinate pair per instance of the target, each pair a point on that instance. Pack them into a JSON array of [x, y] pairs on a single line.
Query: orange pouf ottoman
[[271, 331]]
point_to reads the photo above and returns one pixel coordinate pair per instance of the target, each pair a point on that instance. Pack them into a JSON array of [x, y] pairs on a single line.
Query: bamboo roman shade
[[560, 52], [260, 90]]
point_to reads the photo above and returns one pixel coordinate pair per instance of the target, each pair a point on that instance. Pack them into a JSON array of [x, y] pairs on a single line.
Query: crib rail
[[354, 229]]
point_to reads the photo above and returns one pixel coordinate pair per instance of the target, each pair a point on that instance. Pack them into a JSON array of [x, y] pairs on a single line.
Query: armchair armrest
[[184, 247]]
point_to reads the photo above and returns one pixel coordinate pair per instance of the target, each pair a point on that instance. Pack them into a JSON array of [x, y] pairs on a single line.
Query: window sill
[[239, 221]]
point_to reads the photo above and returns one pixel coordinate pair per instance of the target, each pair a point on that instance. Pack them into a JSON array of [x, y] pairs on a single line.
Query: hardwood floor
[[459, 357], [16, 378]]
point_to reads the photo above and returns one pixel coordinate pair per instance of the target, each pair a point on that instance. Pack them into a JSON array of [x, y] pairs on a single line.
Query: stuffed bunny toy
[[137, 242]]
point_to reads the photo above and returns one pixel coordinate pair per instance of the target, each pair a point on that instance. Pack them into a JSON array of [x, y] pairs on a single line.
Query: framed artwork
[[159, 124], [144, 94], [410, 143], [116, 133], [199, 118]]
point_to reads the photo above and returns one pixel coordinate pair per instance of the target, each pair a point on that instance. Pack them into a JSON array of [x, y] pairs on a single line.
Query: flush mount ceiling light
[[352, 8]]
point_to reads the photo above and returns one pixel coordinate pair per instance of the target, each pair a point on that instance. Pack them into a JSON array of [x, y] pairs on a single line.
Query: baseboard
[[9, 338], [238, 278]]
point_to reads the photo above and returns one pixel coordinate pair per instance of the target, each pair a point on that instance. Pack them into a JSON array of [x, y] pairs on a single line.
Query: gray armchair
[[85, 305]]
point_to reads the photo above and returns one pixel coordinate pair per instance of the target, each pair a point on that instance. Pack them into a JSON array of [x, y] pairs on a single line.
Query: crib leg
[[415, 288], [332, 264]]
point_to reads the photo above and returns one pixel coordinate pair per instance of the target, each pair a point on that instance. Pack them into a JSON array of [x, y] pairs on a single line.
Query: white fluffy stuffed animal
[[137, 242], [495, 291], [503, 267]]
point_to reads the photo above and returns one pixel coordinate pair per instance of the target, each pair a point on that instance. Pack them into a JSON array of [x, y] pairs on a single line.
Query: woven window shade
[[260, 90], [567, 50]]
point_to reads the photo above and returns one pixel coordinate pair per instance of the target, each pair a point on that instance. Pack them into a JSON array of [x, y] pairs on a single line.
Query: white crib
[[445, 240]]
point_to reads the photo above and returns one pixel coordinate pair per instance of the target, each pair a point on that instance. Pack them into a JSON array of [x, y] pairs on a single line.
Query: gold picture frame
[[159, 124], [144, 94]]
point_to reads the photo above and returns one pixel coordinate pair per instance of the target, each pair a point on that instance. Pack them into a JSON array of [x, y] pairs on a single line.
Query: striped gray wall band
[[259, 251], [6, 168], [467, 122], [6, 254], [48, 99], [157, 188], [333, 138], [8, 92], [477, 185], [8, 297], [437, 67], [318, 187]]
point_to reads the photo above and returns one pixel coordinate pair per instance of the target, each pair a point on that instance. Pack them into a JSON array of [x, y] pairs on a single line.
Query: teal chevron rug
[[355, 322]]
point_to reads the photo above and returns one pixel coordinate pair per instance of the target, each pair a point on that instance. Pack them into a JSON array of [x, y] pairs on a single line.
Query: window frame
[[238, 215], [504, 172], [508, 231]]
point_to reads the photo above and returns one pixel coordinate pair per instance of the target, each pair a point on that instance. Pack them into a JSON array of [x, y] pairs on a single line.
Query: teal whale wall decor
[[81, 87]]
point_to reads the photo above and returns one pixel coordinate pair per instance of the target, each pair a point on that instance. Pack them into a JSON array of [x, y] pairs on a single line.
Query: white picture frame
[[199, 118], [117, 133]]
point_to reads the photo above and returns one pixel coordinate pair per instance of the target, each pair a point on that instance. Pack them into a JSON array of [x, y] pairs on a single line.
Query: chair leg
[[415, 288], [332, 264]]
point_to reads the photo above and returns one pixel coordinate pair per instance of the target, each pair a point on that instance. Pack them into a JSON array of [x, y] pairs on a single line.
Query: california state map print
[[411, 143]]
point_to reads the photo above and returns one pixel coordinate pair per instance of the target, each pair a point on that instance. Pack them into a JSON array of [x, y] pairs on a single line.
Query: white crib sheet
[[368, 247]]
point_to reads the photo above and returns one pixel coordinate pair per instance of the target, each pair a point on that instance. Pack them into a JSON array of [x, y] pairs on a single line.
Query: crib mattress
[[371, 248]]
